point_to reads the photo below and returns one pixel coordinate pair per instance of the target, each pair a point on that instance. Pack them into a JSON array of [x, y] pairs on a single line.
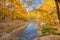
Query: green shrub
[[49, 30]]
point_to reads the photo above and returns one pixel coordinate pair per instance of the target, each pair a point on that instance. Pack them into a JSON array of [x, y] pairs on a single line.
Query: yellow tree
[[47, 12], [13, 9]]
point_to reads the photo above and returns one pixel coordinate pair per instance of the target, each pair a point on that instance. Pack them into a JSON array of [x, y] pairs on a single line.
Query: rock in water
[[30, 33]]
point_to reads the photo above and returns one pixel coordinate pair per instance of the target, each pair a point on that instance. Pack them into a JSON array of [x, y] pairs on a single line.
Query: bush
[[49, 30]]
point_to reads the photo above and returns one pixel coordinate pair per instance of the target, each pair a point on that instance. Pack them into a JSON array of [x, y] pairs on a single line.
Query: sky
[[33, 4]]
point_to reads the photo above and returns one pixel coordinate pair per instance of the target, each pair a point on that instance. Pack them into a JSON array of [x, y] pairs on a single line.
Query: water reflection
[[30, 33]]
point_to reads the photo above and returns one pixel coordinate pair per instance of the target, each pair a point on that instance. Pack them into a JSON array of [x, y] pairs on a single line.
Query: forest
[[29, 19]]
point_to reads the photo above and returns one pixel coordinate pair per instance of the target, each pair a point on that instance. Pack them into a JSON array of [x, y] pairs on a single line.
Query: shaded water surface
[[30, 33]]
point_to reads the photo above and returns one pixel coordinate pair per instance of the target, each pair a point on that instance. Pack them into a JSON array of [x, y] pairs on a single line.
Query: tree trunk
[[57, 7]]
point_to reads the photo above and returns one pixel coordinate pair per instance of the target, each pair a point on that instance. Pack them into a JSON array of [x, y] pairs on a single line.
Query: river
[[30, 33]]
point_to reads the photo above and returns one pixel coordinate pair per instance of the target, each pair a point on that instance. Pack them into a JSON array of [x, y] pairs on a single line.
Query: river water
[[30, 33]]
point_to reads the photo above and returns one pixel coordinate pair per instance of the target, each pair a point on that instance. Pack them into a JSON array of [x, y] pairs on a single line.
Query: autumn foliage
[[14, 9]]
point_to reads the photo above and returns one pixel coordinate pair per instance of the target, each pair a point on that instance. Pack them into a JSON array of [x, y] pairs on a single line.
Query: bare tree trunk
[[57, 7]]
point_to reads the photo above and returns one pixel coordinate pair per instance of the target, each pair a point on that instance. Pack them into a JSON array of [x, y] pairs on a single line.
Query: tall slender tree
[[57, 7]]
